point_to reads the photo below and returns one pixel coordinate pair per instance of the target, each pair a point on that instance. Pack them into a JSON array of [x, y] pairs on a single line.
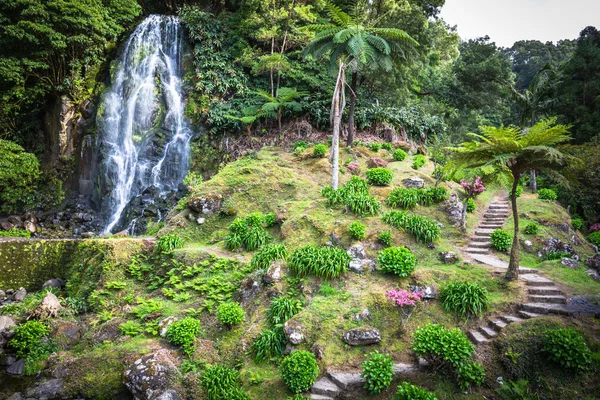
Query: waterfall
[[144, 137]]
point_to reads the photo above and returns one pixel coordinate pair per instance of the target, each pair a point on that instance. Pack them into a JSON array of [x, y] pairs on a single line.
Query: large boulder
[[55, 283], [293, 331], [16, 368], [554, 245], [50, 389], [150, 376], [453, 207], [206, 204], [6, 323], [414, 182], [359, 263], [362, 336], [50, 307]]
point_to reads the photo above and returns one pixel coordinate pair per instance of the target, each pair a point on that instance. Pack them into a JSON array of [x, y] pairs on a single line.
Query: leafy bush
[[319, 150], [519, 191], [470, 374], [567, 347], [557, 255], [131, 328], [418, 161], [379, 176], [409, 198], [299, 147], [399, 155], [19, 172], [471, 206], [222, 383], [397, 260], [248, 232], [267, 254], [407, 391], [355, 196], [501, 240], [375, 146], [547, 194], [377, 371], [385, 237], [299, 371], [326, 262], [577, 223], [27, 336], [387, 146], [519, 390], [269, 220], [230, 313], [167, 243], [183, 333], [357, 230], [594, 238], [464, 298], [532, 228], [421, 227], [268, 344], [282, 309], [15, 232]]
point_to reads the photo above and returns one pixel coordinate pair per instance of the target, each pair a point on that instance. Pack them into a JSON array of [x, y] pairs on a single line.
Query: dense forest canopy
[[442, 87]]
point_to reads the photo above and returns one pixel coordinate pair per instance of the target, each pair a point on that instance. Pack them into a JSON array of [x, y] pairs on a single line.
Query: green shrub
[[299, 147], [501, 241], [15, 232], [319, 150], [355, 196], [255, 237], [299, 371], [387, 146], [375, 146], [567, 347], [385, 237], [167, 243], [230, 313], [547, 194], [470, 374], [269, 220], [248, 232], [282, 309], [377, 371], [27, 337], [269, 344], [379, 176], [519, 390], [326, 262], [404, 198], [397, 260], [421, 227], [357, 230], [183, 333], [19, 172], [464, 298], [418, 161], [222, 383], [471, 206], [131, 328], [594, 238], [519, 190], [532, 228], [557, 255], [267, 254], [577, 223], [399, 155], [442, 346], [407, 391]]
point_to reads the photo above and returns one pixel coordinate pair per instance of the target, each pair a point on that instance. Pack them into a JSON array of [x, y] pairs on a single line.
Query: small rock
[[191, 216], [6, 323], [2, 295], [428, 292], [293, 331], [362, 336], [273, 274], [593, 262], [30, 226], [364, 315], [289, 349], [449, 257], [7, 360], [414, 182], [163, 325], [569, 263], [67, 335], [49, 389], [361, 266], [50, 307], [16, 368], [168, 395], [206, 204], [149, 375], [431, 246], [318, 351], [335, 240], [16, 396], [593, 274], [54, 282], [376, 163], [527, 245], [201, 220], [357, 251], [250, 287], [20, 294], [423, 364]]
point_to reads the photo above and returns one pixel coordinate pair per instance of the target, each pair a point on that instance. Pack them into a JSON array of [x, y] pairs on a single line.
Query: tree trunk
[[532, 181], [513, 266], [336, 116], [353, 84], [279, 121], [463, 221]]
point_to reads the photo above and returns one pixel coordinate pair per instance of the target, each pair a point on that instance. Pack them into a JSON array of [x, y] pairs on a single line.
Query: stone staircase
[[493, 219]]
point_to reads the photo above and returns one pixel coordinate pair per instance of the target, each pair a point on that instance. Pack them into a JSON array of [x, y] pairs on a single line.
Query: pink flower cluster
[[595, 227], [473, 187], [353, 167], [404, 298]]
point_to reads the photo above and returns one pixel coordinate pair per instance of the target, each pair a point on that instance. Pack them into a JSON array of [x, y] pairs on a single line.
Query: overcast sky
[[507, 21]]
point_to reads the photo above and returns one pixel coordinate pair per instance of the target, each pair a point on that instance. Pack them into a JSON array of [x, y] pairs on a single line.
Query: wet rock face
[[362, 336], [149, 377]]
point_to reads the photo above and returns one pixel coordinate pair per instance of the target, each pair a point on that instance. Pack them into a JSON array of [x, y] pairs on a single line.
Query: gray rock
[[67, 334], [361, 266], [163, 325], [429, 292], [592, 273], [149, 376], [7, 360], [250, 287], [54, 282], [335, 240], [16, 396], [273, 274], [6, 323], [362, 336], [20, 294], [527, 245], [49, 389], [449, 257], [554, 245], [347, 380], [569, 263], [201, 220], [364, 315], [325, 387], [593, 262], [357, 251], [16, 368], [318, 351], [402, 368], [293, 331], [50, 307], [30, 226], [2, 295], [453, 207], [206, 204], [168, 395], [414, 182]]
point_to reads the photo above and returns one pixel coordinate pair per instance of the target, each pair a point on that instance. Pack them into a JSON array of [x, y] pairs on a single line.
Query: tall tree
[[361, 43], [514, 151]]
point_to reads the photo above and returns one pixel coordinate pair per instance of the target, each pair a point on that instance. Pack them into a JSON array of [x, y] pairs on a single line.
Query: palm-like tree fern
[[360, 45], [284, 99], [513, 151]]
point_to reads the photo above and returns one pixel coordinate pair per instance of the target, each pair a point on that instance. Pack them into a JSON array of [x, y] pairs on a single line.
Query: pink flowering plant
[[473, 187], [407, 301], [594, 228]]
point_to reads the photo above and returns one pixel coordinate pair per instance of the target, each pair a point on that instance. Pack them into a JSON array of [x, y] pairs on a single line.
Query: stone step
[[477, 337], [480, 239], [544, 290], [502, 210], [554, 299], [546, 308], [527, 314], [495, 215], [482, 245], [509, 319], [497, 206], [483, 232], [493, 221], [536, 280], [488, 332], [498, 324], [346, 380], [523, 270], [325, 387], [477, 250], [487, 226], [319, 397]]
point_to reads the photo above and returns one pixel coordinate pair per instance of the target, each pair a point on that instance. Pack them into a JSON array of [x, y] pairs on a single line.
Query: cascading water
[[144, 136]]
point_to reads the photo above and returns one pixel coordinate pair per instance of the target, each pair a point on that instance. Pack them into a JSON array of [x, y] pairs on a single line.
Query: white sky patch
[[508, 21]]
